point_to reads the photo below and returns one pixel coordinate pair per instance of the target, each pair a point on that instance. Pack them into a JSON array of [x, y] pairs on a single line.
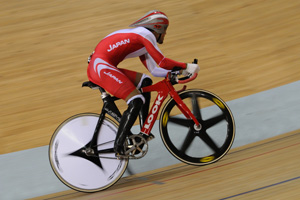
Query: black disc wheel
[[201, 145]]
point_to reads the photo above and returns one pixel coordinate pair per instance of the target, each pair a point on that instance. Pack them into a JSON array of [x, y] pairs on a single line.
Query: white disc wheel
[[82, 168]]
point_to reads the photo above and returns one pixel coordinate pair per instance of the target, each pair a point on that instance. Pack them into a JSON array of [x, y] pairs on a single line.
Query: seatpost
[[103, 93]]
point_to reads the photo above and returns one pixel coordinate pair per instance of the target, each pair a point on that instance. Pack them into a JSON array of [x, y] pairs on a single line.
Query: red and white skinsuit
[[122, 44]]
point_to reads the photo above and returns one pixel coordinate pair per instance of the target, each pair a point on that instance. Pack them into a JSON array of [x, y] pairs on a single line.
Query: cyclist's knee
[[136, 101], [145, 81]]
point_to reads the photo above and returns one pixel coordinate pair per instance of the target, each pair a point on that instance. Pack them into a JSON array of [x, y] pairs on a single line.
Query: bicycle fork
[[185, 110]]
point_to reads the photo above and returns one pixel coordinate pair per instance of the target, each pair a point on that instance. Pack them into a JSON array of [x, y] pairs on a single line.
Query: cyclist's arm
[[153, 50], [150, 64]]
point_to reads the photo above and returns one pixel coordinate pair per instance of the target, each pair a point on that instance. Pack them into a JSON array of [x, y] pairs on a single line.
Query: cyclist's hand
[[190, 69]]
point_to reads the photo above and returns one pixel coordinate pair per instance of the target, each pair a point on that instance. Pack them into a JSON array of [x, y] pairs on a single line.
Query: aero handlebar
[[188, 80], [173, 75]]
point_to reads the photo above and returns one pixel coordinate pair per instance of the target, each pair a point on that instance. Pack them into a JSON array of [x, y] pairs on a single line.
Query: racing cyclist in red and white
[[141, 42]]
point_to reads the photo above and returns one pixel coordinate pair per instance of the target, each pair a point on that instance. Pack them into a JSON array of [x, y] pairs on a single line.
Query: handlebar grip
[[189, 79]]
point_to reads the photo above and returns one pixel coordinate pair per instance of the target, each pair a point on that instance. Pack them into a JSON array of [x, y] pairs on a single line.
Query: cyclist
[[140, 41]]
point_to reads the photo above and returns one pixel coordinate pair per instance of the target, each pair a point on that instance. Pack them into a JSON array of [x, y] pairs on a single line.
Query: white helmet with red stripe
[[154, 20]]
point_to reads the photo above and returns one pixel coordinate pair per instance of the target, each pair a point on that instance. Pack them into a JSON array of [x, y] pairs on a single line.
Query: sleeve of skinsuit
[[150, 64], [153, 50]]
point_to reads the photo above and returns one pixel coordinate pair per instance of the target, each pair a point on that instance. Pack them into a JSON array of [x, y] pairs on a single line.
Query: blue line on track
[[292, 179]]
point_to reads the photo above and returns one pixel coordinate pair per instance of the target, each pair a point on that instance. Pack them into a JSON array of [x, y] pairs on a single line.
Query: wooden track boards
[[243, 47], [263, 170]]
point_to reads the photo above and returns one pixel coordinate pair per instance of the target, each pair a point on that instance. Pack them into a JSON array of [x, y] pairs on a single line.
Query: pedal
[[137, 148]]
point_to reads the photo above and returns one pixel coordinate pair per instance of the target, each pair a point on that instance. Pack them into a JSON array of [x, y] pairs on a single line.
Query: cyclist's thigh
[[134, 76], [112, 80]]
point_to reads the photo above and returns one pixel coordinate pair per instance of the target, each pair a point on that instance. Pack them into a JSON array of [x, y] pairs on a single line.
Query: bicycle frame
[[164, 88], [109, 107]]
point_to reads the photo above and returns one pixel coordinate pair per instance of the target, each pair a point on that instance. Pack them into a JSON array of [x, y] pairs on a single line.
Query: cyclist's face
[[161, 38]]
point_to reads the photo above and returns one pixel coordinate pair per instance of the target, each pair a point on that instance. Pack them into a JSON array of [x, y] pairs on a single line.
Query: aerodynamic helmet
[[154, 20]]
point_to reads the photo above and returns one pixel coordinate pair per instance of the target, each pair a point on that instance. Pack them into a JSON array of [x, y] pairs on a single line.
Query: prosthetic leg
[[127, 121], [145, 108], [136, 107]]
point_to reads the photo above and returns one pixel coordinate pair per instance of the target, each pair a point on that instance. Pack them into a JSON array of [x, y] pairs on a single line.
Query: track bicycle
[[196, 126]]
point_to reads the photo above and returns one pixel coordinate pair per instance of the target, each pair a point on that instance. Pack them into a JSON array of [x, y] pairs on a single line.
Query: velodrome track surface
[[255, 168], [265, 170], [243, 47]]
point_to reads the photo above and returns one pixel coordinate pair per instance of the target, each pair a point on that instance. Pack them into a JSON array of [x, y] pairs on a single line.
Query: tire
[[70, 162], [198, 147]]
